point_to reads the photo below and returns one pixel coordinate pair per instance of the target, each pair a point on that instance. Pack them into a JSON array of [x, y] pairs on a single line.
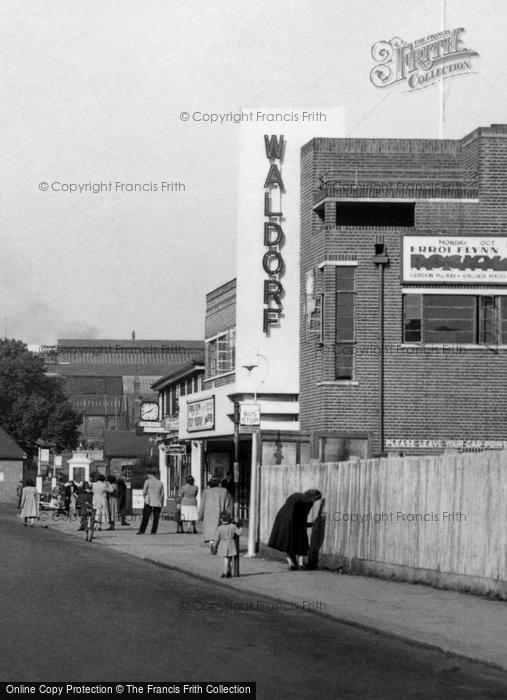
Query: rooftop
[[9, 448]]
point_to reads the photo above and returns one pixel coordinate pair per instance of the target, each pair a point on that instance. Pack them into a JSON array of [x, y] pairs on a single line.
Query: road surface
[[71, 611]]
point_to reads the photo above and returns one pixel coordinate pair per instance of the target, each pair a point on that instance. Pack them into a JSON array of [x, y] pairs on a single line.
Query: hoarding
[[201, 414], [454, 259]]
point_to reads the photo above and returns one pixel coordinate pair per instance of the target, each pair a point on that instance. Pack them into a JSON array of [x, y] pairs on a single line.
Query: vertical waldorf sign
[[268, 303], [272, 261]]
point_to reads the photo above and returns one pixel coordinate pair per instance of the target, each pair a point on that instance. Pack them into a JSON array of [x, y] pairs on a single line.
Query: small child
[[225, 542], [84, 499]]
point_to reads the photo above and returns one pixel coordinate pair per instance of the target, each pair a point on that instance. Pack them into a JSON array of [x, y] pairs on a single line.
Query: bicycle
[[91, 521]]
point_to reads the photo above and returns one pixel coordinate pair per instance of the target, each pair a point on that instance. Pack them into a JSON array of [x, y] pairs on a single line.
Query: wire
[[368, 114]]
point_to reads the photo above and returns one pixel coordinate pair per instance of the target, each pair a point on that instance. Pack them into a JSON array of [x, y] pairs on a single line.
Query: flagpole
[[441, 110]]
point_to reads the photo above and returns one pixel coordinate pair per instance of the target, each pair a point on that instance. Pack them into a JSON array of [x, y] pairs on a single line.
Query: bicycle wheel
[[92, 527]]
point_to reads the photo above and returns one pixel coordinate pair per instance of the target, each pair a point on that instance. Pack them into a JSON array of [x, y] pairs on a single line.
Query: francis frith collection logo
[[423, 62]]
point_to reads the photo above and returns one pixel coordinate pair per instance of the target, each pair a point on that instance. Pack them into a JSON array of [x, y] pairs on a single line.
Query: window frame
[[344, 289], [498, 321]]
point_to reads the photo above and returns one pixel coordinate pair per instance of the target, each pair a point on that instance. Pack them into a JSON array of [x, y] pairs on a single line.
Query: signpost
[[176, 449], [250, 421]]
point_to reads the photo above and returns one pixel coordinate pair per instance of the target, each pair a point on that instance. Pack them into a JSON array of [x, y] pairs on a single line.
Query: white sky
[[92, 91]]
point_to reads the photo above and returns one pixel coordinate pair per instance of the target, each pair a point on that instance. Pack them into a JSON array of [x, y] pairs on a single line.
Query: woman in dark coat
[[289, 529]]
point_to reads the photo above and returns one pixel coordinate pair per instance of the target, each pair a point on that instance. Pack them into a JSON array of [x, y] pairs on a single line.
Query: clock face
[[149, 411]]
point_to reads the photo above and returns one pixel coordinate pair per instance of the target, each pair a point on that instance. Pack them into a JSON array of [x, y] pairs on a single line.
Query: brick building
[[106, 380], [404, 294], [11, 467]]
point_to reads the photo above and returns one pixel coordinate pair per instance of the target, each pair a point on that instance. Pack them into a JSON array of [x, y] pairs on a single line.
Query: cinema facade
[[403, 333], [369, 310]]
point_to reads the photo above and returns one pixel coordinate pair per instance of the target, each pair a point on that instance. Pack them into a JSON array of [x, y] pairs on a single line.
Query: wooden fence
[[436, 519]]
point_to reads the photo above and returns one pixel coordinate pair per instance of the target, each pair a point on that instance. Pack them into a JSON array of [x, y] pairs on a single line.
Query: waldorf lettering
[[273, 235]]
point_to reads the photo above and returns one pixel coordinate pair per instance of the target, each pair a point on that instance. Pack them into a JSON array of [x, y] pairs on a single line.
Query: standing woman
[[215, 499], [188, 504], [100, 489], [29, 503], [112, 500], [289, 529]]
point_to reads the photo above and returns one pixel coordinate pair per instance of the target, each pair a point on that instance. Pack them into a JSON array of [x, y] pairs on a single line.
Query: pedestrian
[[29, 503], [83, 502], [188, 503], [112, 501], [69, 498], [100, 490], [228, 483], [19, 493], [122, 499], [215, 499], [289, 529], [225, 542], [153, 492]]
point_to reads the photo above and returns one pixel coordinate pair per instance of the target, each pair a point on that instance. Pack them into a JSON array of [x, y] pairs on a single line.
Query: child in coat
[[84, 501], [225, 542]]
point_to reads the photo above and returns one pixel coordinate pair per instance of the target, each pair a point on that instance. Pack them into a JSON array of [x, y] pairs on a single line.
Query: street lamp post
[[253, 508]]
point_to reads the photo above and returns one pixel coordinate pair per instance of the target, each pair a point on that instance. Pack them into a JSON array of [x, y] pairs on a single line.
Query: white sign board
[[455, 259], [201, 415], [250, 414], [445, 443], [137, 498]]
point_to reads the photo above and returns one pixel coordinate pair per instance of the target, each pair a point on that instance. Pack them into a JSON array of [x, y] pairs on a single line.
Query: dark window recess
[[437, 318], [345, 322], [389, 214], [449, 319], [412, 321], [503, 321], [488, 321]]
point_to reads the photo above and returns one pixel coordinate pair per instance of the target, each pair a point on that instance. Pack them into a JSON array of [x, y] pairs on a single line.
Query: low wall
[[440, 520]]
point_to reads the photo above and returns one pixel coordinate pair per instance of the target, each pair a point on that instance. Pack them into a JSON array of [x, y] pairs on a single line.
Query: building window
[[388, 214], [345, 323], [221, 353], [453, 318]]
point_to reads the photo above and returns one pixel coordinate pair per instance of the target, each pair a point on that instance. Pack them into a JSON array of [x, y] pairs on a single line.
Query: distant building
[[174, 456], [107, 380]]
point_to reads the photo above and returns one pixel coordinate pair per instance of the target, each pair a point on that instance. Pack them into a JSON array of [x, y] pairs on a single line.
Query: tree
[[32, 404]]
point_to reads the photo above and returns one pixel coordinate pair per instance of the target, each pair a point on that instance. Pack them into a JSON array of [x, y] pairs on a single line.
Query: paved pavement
[[461, 624]]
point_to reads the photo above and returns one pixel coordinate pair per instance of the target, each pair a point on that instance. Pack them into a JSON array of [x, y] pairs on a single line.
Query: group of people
[[108, 497]]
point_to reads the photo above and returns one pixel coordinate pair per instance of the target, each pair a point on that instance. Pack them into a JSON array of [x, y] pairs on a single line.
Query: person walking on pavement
[[29, 503], [189, 512], [228, 483], [112, 500], [122, 499], [289, 529], [19, 493], [100, 489], [225, 542], [215, 499], [153, 492], [84, 500]]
